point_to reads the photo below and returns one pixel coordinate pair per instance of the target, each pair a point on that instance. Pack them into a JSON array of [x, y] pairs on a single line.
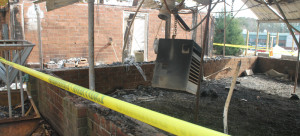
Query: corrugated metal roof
[[291, 8]]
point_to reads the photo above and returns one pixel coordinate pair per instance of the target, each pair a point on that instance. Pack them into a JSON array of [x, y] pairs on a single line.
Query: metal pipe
[[202, 61], [22, 13], [39, 36], [257, 37], [8, 85], [21, 84], [168, 28], [224, 40], [195, 18], [297, 69], [91, 44], [228, 99]]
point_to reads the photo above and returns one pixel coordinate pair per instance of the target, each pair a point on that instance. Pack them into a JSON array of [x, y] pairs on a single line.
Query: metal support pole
[[224, 40], [272, 40], [297, 68], [268, 40], [195, 18], [277, 39], [8, 85], [91, 44], [247, 42], [257, 37], [205, 38], [168, 27], [21, 84], [39, 36]]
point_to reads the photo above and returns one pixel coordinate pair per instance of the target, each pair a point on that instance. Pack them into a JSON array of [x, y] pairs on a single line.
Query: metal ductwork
[[177, 65]]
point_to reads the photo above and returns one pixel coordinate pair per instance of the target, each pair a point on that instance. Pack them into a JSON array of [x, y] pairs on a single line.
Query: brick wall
[[282, 66], [64, 30], [212, 66], [109, 78]]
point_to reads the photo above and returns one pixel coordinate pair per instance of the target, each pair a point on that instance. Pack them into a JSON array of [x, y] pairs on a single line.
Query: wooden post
[[271, 46], [297, 67], [257, 38], [195, 18], [91, 44], [225, 113], [204, 44], [277, 39], [39, 36], [268, 40], [247, 42]]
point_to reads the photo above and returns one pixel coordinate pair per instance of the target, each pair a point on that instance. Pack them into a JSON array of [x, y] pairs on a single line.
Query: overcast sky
[[237, 5]]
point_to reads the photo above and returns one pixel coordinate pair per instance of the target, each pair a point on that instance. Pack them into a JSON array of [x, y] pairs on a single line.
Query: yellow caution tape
[[251, 47], [238, 46], [164, 122]]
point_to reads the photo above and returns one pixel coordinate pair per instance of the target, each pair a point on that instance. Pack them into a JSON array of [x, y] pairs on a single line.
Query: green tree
[[233, 34]]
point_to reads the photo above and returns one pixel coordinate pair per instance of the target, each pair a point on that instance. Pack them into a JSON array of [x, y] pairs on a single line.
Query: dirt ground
[[259, 106]]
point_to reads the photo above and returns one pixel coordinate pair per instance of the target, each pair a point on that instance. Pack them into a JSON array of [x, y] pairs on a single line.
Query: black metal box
[[177, 65]]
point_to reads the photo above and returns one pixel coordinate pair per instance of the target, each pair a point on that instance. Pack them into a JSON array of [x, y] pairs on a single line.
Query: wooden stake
[[225, 113]]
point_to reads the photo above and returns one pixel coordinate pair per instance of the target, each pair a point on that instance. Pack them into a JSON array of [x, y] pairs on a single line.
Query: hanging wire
[[200, 21]]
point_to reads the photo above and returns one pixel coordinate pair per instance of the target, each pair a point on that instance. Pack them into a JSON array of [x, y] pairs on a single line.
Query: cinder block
[[83, 65], [52, 66], [69, 65]]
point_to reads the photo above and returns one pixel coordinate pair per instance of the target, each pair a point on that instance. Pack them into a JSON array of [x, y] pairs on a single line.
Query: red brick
[[120, 132]]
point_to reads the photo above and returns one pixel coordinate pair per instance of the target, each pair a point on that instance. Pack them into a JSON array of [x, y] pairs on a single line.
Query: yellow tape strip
[[249, 47], [164, 122]]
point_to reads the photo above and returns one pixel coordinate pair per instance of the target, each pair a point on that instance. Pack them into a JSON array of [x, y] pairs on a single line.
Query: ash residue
[[16, 110], [259, 105]]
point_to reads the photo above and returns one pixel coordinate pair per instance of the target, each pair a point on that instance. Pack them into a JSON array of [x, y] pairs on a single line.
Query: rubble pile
[[69, 63]]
